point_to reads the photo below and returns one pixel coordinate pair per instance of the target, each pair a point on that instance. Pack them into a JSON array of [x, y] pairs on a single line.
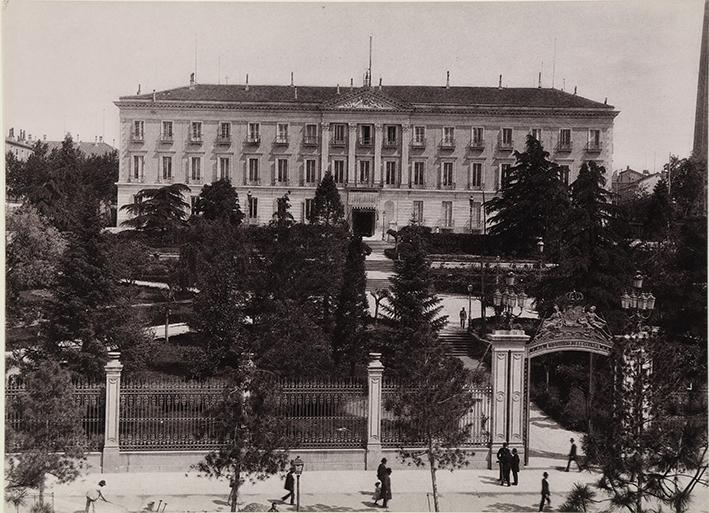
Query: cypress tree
[[327, 205]]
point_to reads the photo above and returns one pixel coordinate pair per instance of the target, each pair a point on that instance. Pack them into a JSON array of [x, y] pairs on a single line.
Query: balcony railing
[[417, 185], [136, 179], [477, 144], [281, 140], [594, 147], [337, 142], [447, 144], [366, 143], [390, 143], [162, 179], [196, 139], [447, 187], [224, 139], [564, 146], [310, 140], [418, 144], [253, 139], [136, 137], [253, 181], [197, 179], [166, 138], [504, 145]]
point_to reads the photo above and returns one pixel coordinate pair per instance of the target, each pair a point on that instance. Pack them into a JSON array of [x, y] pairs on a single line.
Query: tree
[[282, 218], [532, 204], [686, 179], [579, 499], [429, 410], [253, 439], [219, 201], [327, 206], [350, 341], [658, 214], [52, 439], [158, 210]]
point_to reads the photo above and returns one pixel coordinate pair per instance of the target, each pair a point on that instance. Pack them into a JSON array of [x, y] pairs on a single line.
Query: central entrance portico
[[364, 221]]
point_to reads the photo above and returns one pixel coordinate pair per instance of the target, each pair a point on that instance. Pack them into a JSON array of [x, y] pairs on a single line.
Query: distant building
[[19, 145], [629, 183], [90, 149]]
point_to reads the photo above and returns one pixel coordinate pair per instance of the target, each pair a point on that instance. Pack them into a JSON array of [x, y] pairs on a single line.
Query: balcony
[[136, 138], [224, 140], [594, 147], [310, 140], [136, 179], [447, 144], [281, 140], [253, 181], [365, 143], [390, 143], [162, 179], [419, 145], [196, 180], [447, 187], [166, 139], [477, 144], [252, 221], [564, 146], [503, 145], [253, 139], [417, 186], [196, 139], [337, 142]]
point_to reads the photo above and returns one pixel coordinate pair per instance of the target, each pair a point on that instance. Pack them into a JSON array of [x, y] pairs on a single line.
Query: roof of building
[[415, 95], [91, 149], [24, 144]]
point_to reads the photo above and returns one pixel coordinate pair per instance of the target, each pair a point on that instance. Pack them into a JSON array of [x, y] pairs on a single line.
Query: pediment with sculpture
[[366, 100]]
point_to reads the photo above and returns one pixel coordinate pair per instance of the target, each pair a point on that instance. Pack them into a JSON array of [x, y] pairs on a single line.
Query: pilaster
[[324, 149], [378, 182], [375, 372], [404, 169], [111, 460], [351, 145]]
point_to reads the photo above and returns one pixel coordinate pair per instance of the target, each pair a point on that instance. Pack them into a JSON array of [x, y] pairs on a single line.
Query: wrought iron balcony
[[390, 143], [138, 138], [196, 139], [477, 144], [224, 139], [310, 140], [564, 146], [166, 138], [447, 144], [253, 139], [503, 145], [337, 142], [281, 140], [594, 147], [365, 142], [418, 144], [448, 187]]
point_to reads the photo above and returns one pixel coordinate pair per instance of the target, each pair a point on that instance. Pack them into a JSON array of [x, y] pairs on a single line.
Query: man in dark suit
[[514, 465], [382, 469], [546, 494], [289, 486], [505, 462], [573, 457], [500, 456]]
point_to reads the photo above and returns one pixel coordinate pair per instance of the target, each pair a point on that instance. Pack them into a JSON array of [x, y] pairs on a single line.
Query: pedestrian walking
[[514, 465], [377, 492], [546, 494], [382, 469], [386, 487], [573, 457], [290, 486], [463, 316], [502, 456], [93, 495]]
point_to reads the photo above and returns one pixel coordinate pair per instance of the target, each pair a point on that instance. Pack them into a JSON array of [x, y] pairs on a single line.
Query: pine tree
[[282, 218], [219, 201], [158, 210], [327, 205], [350, 340], [658, 214], [533, 203]]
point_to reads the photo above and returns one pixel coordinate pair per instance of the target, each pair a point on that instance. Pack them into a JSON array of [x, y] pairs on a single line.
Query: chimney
[[11, 134], [295, 92], [448, 79], [575, 90], [138, 90], [539, 81], [499, 84], [29, 137], [351, 83], [192, 82], [380, 83], [153, 95], [246, 88], [291, 79], [605, 101], [338, 88], [95, 139], [100, 138], [44, 137]]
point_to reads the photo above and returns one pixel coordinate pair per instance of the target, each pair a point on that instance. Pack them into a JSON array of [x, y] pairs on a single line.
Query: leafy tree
[[532, 204], [219, 201], [429, 410], [581, 498], [687, 183], [327, 205], [253, 438], [160, 210], [350, 341], [52, 439], [282, 218]]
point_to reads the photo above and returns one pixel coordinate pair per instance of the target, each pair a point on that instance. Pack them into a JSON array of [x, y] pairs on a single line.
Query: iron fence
[[475, 422], [89, 397]]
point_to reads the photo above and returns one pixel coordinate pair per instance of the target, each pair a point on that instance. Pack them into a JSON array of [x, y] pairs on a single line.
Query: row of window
[[365, 135], [363, 172]]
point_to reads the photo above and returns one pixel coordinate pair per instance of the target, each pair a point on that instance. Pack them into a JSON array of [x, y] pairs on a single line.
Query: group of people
[[508, 461], [382, 488]]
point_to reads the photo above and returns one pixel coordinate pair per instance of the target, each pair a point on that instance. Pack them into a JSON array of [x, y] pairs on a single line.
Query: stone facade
[[397, 152]]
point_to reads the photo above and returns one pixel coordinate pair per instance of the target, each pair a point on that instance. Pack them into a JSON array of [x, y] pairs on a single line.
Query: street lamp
[[298, 465], [471, 200], [470, 297], [639, 304], [540, 252], [507, 300], [248, 206]]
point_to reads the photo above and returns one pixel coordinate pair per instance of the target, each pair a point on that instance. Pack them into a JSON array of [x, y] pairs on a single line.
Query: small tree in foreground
[[51, 438], [254, 441], [429, 410]]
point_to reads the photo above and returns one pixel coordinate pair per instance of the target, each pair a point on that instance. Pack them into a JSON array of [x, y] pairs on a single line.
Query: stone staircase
[[377, 266], [458, 340]]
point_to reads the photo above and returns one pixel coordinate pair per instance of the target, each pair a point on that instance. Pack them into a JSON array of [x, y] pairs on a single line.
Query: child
[[377, 492]]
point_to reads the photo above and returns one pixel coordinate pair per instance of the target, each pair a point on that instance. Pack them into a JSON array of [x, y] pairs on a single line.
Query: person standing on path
[[502, 453], [506, 466], [546, 494], [290, 486], [93, 495], [382, 469], [573, 457], [386, 487], [463, 316], [514, 465]]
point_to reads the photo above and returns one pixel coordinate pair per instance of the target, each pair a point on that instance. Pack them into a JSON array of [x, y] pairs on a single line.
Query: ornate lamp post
[[298, 464], [638, 304], [471, 199], [540, 252], [506, 301], [470, 298], [248, 207]]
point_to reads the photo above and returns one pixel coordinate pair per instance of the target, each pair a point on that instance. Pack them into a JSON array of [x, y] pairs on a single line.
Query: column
[[404, 170], [111, 457], [507, 416], [378, 182], [324, 149], [351, 145], [375, 371]]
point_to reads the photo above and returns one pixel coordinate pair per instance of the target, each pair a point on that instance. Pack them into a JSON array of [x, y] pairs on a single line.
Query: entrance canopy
[[576, 328]]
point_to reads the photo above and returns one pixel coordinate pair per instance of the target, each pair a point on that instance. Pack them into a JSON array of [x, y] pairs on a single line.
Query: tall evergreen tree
[[658, 214], [219, 201], [158, 210], [327, 205], [282, 218], [532, 204], [350, 340]]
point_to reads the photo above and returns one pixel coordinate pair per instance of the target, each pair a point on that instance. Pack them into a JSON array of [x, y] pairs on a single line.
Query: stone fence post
[[111, 458], [375, 372]]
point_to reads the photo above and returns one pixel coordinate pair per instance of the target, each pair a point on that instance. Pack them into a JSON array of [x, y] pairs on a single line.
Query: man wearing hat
[[93, 495]]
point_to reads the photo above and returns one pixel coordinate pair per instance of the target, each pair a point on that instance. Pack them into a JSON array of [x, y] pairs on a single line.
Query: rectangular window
[[365, 135], [224, 130], [253, 207], [447, 214], [282, 170], [418, 173], [339, 174], [196, 169], [308, 208], [476, 174], [311, 134], [138, 167], [224, 168], [418, 212], [253, 170], [447, 174], [564, 139], [536, 133], [310, 171], [594, 139], [419, 135], [564, 174], [196, 131], [254, 132], [282, 133], [193, 204], [506, 137], [390, 173], [448, 135], [477, 136], [364, 171], [138, 133], [391, 135], [504, 173], [339, 134], [475, 210], [166, 131], [167, 168]]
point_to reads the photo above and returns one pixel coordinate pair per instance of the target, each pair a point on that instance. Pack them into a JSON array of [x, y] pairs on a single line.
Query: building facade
[[397, 153]]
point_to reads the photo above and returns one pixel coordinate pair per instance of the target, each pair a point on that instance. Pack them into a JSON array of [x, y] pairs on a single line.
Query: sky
[[65, 63]]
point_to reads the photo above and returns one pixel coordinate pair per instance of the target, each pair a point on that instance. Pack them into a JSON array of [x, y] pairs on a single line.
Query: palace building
[[397, 153]]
